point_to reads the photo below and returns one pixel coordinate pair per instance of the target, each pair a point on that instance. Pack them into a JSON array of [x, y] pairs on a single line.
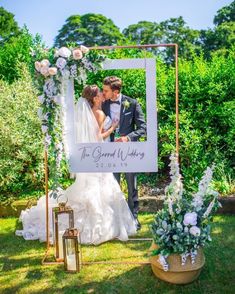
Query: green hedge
[[21, 147], [207, 121]]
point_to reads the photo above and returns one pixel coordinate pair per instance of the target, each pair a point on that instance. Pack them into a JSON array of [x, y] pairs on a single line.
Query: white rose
[[61, 63], [52, 71], [37, 65], [45, 63], [44, 71], [77, 54], [195, 231], [190, 218], [84, 49], [64, 52]]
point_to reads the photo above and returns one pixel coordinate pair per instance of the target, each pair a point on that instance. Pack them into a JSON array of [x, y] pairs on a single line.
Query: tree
[[222, 36], [144, 32], [173, 30], [8, 25], [225, 14], [89, 29]]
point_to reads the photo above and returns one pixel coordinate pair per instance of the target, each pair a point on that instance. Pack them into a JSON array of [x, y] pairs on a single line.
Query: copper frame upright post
[[175, 46]]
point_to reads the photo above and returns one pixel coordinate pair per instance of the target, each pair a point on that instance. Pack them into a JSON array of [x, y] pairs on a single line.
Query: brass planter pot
[[177, 273]]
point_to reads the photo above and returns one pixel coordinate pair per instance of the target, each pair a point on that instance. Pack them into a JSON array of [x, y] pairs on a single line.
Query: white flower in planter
[[195, 231], [190, 218], [64, 52]]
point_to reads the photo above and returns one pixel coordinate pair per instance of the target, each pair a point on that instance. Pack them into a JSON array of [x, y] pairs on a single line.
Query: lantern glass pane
[[63, 224], [71, 254]]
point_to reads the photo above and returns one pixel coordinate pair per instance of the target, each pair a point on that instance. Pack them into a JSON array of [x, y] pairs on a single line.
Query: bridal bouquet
[[183, 224]]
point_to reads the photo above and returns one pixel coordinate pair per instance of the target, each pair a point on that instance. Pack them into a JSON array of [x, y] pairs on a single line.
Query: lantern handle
[[63, 204]]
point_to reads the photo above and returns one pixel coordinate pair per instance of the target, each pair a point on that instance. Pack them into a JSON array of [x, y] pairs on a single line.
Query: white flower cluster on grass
[[182, 226]]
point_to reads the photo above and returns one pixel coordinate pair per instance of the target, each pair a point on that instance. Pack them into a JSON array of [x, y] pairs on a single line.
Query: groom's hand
[[122, 139]]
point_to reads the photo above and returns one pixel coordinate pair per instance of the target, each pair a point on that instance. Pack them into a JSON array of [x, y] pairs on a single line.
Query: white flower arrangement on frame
[[52, 66]]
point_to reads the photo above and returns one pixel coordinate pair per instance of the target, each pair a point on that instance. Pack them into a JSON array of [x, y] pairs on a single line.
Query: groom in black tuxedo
[[132, 126]]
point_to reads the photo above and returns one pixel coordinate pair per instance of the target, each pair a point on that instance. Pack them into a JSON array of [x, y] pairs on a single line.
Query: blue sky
[[46, 17]]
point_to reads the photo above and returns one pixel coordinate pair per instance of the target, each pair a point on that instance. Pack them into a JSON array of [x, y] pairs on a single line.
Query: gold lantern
[[63, 218], [72, 250]]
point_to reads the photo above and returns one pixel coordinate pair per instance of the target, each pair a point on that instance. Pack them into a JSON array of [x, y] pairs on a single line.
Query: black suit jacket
[[132, 122]]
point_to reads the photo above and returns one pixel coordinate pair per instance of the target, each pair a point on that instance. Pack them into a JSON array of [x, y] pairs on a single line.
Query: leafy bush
[[21, 148], [207, 122]]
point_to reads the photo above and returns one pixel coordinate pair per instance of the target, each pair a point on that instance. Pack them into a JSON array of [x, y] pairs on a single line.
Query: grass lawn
[[21, 270]]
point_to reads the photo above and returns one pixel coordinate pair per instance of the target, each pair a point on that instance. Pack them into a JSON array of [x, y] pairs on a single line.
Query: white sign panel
[[116, 156]]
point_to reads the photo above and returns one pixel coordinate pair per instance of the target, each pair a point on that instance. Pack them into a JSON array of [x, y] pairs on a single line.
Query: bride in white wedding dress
[[101, 212]]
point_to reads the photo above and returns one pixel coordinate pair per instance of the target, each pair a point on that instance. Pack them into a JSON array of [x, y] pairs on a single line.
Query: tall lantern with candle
[[63, 218], [72, 250]]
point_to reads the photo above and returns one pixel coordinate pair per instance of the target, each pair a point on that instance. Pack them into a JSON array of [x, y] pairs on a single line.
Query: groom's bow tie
[[116, 102]]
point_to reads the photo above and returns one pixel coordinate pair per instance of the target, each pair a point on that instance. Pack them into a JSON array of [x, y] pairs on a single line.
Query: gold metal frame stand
[[175, 46]]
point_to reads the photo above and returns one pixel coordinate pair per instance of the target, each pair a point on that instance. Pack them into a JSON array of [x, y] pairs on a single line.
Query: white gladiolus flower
[[203, 188], [209, 208], [175, 188], [64, 52], [195, 231], [84, 49], [37, 65], [170, 207], [52, 71], [61, 63], [77, 54], [190, 218]]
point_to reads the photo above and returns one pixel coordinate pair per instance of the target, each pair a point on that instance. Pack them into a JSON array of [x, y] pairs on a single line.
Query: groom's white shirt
[[115, 109]]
